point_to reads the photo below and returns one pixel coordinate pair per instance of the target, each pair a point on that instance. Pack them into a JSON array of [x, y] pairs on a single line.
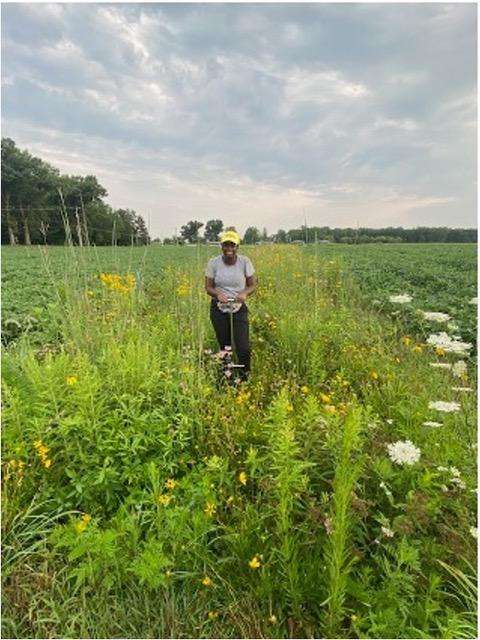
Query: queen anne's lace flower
[[431, 423], [452, 326], [403, 452], [435, 316], [448, 344], [459, 368], [447, 407], [403, 298]]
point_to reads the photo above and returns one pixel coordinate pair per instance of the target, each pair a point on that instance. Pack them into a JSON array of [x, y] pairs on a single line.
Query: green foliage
[[41, 206], [142, 499]]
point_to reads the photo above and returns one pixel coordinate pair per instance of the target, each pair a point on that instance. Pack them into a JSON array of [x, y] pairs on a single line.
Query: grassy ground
[[144, 498]]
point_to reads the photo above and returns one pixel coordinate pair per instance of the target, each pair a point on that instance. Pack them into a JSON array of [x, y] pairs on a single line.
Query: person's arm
[[213, 291], [251, 283]]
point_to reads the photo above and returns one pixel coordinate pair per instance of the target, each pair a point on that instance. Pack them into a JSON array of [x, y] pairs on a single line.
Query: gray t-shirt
[[230, 278]]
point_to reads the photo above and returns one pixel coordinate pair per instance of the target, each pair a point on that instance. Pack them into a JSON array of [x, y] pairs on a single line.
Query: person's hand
[[221, 297], [241, 297]]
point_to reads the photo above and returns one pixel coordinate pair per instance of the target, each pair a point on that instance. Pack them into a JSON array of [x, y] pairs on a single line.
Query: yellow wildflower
[[417, 349], [207, 582], [47, 463], [325, 398], [82, 524], [254, 563], [272, 619], [71, 380], [183, 290], [242, 397], [164, 499], [406, 340], [210, 509], [242, 478], [373, 375], [330, 408], [170, 484], [229, 500], [212, 615], [289, 407], [439, 351], [304, 389]]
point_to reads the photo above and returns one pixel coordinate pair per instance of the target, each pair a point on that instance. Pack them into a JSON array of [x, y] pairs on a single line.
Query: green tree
[[189, 231], [26, 183], [213, 228], [251, 235]]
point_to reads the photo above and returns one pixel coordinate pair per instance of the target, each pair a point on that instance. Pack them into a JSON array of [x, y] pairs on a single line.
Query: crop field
[[332, 495]]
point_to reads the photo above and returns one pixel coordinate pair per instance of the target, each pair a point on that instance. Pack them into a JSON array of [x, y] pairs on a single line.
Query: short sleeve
[[209, 271], [249, 270]]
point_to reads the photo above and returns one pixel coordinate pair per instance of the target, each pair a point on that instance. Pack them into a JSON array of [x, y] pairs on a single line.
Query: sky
[[257, 114]]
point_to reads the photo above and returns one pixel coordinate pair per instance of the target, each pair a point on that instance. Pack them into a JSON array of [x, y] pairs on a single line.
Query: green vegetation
[[439, 277], [144, 498], [41, 206]]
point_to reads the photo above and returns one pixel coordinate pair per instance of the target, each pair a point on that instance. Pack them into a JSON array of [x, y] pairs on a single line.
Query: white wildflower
[[459, 482], [431, 423], [453, 326], [442, 468], [459, 368], [474, 532], [462, 389], [436, 316], [448, 344], [387, 532], [454, 471], [473, 301], [403, 452], [401, 299], [385, 488], [389, 421], [444, 488], [441, 365], [447, 407]]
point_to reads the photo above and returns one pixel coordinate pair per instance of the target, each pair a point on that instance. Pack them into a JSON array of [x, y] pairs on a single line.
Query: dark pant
[[221, 324]]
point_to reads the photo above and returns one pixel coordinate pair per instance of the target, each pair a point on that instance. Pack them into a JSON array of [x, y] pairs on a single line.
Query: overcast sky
[[252, 113]]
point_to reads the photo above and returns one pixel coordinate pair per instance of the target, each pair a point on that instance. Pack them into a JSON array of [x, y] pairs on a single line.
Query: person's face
[[229, 249]]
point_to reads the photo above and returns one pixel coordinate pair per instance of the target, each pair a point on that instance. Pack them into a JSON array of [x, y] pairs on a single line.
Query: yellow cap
[[230, 236]]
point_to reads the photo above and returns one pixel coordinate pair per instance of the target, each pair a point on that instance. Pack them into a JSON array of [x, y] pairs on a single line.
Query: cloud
[[255, 111]]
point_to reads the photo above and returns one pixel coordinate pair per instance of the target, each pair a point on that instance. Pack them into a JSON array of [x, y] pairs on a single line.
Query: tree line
[[42, 206], [190, 233]]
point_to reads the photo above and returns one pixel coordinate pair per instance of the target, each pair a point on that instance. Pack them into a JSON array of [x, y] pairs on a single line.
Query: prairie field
[[332, 495]]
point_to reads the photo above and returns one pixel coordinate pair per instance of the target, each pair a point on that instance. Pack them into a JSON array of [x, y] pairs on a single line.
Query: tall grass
[[338, 557], [175, 506]]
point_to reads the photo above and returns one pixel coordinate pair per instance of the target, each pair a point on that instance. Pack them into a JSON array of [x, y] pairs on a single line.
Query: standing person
[[227, 276]]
